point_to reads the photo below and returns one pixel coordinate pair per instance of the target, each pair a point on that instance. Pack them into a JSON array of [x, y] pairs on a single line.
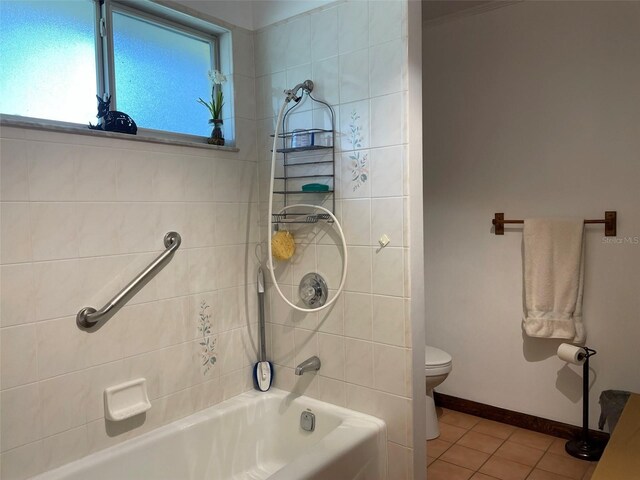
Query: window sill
[[143, 135]]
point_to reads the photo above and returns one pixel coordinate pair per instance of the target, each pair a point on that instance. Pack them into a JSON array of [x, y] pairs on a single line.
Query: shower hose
[[284, 209]]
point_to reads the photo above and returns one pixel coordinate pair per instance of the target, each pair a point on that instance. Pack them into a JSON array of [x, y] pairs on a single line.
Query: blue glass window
[[48, 59], [160, 73]]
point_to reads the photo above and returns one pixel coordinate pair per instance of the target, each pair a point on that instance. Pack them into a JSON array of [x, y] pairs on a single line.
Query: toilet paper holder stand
[[585, 447], [588, 352]]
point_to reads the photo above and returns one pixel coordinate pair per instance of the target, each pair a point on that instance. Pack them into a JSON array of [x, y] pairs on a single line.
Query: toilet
[[437, 365]]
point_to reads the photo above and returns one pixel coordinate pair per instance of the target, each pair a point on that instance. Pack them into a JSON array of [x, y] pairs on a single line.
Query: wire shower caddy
[[288, 148]]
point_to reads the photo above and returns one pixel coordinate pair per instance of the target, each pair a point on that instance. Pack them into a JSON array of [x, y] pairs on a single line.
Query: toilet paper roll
[[571, 353]]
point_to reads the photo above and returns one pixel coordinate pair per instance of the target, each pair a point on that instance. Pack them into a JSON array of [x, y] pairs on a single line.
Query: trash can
[[612, 403]]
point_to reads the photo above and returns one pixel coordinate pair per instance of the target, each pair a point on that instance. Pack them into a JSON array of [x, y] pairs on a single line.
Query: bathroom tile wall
[[356, 53], [81, 216]]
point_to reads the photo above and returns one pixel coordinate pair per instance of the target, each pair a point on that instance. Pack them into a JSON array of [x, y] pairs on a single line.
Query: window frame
[[106, 70], [164, 16]]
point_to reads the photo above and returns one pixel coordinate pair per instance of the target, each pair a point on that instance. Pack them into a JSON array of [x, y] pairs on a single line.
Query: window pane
[[160, 73], [48, 59]]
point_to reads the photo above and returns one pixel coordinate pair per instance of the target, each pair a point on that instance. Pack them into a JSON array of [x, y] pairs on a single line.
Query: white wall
[[80, 217], [253, 14], [356, 53], [267, 12], [235, 12], [416, 230], [533, 110]]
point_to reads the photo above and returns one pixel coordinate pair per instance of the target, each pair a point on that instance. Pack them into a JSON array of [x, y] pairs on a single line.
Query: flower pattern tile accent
[[359, 161], [207, 343]]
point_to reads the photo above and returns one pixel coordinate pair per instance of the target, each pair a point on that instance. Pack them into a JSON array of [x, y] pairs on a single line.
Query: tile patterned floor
[[472, 448]]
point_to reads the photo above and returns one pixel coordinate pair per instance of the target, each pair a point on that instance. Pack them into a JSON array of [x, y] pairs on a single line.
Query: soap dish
[[315, 187], [126, 400]]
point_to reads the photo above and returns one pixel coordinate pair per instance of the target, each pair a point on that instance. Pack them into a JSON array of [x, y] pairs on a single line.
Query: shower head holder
[[292, 94]]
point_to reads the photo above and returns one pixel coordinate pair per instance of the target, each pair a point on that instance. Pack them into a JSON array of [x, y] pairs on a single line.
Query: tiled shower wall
[[81, 216], [356, 53]]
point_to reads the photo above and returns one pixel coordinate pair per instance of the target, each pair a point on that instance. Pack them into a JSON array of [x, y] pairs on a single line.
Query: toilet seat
[[436, 361]]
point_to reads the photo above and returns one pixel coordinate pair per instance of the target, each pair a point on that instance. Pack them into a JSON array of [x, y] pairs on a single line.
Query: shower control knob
[[307, 293], [313, 290]]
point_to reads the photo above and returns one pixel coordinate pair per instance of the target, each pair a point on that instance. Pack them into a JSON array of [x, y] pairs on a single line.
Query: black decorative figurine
[[113, 121]]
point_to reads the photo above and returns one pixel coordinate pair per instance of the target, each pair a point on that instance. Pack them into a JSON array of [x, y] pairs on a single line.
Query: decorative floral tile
[[359, 161], [208, 355]]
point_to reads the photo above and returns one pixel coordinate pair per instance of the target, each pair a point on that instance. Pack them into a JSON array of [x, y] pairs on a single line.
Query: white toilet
[[437, 365]]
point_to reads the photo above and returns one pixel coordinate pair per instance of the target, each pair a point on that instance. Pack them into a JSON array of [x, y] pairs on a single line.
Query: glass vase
[[217, 134]]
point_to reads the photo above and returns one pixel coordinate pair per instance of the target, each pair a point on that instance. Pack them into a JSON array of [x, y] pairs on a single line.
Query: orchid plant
[[217, 100]]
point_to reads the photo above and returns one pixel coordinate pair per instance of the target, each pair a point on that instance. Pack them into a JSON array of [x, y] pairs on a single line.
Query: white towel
[[554, 278]]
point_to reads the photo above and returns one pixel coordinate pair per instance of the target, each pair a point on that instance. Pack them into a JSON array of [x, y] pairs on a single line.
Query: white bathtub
[[250, 437]]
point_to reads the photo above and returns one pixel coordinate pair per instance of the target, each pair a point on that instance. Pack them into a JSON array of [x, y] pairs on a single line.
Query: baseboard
[[517, 419]]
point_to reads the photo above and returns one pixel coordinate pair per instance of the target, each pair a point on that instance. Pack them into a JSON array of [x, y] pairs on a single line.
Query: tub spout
[[309, 365]]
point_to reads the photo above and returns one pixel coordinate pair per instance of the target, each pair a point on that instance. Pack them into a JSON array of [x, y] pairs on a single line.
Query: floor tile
[[440, 470], [472, 448], [569, 467], [465, 457], [519, 453], [537, 474], [532, 439], [505, 469], [557, 447], [451, 433], [495, 429], [481, 476], [480, 441], [458, 419], [437, 447]]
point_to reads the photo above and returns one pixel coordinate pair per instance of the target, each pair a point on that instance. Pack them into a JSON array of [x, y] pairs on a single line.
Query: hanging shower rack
[[295, 170]]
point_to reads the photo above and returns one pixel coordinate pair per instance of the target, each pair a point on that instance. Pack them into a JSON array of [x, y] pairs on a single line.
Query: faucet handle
[[313, 290]]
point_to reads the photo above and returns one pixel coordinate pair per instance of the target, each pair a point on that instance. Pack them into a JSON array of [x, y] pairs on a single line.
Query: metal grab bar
[[88, 316]]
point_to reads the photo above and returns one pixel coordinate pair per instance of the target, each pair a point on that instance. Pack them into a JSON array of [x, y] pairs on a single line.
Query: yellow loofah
[[282, 245]]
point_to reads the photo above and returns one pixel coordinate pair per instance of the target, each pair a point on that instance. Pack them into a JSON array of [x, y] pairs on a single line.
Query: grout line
[[128, 357], [459, 466]]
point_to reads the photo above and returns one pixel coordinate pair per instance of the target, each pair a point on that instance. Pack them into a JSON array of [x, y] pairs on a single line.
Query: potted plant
[[215, 107]]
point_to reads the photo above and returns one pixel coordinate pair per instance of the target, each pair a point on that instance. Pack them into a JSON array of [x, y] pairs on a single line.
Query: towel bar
[[610, 223], [89, 316]]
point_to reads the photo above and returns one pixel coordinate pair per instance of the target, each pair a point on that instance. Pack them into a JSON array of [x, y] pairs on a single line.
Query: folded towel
[[553, 278]]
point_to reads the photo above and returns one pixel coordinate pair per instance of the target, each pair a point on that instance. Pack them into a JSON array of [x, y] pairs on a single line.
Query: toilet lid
[[435, 357]]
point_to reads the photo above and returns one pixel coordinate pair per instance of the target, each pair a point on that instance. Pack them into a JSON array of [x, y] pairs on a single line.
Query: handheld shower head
[[292, 94]]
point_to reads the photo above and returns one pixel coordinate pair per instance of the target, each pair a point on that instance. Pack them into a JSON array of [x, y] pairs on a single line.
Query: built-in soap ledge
[[126, 400]]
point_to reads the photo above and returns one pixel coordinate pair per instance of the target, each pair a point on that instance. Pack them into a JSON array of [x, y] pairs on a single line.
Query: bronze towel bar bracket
[[610, 223]]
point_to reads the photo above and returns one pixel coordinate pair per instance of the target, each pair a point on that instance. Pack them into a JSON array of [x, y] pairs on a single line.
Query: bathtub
[[253, 436]]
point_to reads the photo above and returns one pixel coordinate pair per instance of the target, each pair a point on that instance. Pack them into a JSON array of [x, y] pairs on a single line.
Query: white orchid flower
[[217, 77]]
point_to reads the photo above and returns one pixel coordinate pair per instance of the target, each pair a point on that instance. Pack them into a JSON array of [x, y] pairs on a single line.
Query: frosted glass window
[[160, 73], [48, 68]]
